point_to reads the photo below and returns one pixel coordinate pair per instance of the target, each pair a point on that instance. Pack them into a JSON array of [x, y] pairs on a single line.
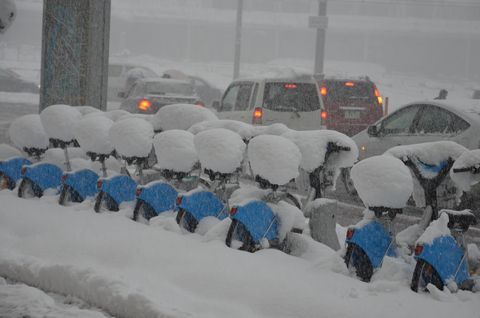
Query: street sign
[[318, 22]]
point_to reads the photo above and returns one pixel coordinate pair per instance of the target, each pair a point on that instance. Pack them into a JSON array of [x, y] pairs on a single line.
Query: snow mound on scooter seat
[[27, 132], [464, 180], [274, 158], [436, 229], [382, 181], [114, 115], [313, 146], [431, 153], [78, 158], [59, 120], [277, 129], [7, 152], [132, 137], [246, 131], [92, 134], [85, 110], [180, 116], [175, 150], [220, 150]]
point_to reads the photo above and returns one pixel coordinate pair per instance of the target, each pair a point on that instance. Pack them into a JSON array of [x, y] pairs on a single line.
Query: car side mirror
[[372, 131], [216, 105], [122, 94]]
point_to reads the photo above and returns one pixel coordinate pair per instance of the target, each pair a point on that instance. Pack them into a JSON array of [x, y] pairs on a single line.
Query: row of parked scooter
[[205, 170]]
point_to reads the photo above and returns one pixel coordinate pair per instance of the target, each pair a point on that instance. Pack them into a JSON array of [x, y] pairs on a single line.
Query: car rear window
[[161, 88], [340, 91], [302, 97]]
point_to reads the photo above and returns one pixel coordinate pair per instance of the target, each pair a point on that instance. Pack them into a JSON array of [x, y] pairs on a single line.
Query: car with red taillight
[[293, 101], [351, 104], [148, 95]]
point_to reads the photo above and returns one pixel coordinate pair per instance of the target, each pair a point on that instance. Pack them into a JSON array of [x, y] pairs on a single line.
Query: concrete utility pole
[[320, 23], [75, 43], [238, 40]]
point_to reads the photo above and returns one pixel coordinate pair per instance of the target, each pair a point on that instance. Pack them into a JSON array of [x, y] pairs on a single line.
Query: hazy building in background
[[437, 38]]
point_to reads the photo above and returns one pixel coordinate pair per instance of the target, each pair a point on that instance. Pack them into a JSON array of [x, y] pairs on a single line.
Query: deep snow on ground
[[133, 270]]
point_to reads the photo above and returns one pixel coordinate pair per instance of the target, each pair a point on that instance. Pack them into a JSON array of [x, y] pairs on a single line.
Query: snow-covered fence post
[[75, 43], [322, 222]]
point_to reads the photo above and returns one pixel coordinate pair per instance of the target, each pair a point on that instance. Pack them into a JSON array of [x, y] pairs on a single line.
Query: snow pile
[[27, 132], [132, 137], [436, 229], [92, 134], [114, 115], [85, 110], [246, 131], [430, 153], [175, 150], [7, 152], [464, 180], [220, 150], [290, 217], [274, 129], [382, 181], [78, 158], [59, 120], [8, 13], [180, 116], [313, 146], [274, 158]]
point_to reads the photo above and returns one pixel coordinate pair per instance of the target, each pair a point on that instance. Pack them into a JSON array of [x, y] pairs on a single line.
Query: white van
[[294, 102]]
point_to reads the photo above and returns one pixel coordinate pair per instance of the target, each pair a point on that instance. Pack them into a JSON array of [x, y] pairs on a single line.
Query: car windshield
[[162, 88], [302, 97], [341, 91]]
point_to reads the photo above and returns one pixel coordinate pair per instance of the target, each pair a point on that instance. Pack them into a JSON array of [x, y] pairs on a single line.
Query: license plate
[[352, 114]]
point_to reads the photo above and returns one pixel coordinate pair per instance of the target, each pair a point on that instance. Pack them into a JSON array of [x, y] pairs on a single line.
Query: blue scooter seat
[[12, 169], [201, 204], [259, 220], [44, 175], [160, 196], [84, 182], [120, 188]]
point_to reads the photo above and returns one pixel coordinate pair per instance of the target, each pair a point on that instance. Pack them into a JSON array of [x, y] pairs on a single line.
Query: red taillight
[[233, 211], [323, 91], [24, 169], [349, 84], [323, 115], [138, 191], [179, 200], [257, 116], [200, 103], [290, 86], [99, 184], [144, 104], [64, 177], [350, 233], [418, 249]]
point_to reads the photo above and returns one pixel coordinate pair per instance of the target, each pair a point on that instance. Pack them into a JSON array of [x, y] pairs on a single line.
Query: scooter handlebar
[[473, 170]]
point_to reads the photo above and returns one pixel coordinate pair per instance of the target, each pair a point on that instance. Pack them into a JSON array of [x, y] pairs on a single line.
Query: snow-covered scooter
[[262, 217], [441, 252], [92, 135], [27, 133], [221, 153], [384, 184], [132, 139], [57, 121], [176, 159]]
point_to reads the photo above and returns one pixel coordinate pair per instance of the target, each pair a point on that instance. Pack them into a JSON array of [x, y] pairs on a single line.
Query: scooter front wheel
[[423, 275], [238, 232], [28, 190], [186, 220], [357, 259], [143, 212]]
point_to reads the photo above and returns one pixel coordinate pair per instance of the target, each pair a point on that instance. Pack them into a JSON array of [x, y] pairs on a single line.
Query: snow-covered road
[[132, 270]]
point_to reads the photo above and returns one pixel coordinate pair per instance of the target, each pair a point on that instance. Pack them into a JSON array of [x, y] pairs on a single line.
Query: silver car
[[424, 121], [147, 95]]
